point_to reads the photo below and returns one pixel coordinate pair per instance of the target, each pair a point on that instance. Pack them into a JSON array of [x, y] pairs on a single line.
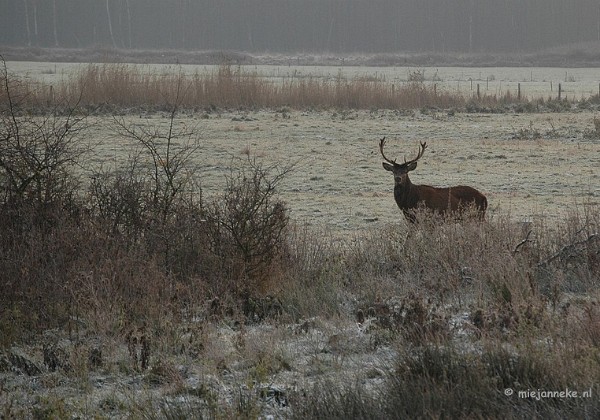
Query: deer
[[446, 200]]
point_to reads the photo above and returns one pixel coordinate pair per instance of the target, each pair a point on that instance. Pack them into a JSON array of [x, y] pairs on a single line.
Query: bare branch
[[523, 242]]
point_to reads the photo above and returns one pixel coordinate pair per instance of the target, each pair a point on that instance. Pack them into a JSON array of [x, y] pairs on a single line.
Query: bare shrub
[[120, 253], [36, 153], [39, 203], [119, 197], [416, 76], [159, 195], [247, 226], [143, 247], [568, 255]]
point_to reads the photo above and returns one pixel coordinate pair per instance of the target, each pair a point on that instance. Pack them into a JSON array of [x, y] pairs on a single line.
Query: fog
[[338, 26]]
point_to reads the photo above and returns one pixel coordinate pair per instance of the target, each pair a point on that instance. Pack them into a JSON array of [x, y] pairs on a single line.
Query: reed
[[123, 86]]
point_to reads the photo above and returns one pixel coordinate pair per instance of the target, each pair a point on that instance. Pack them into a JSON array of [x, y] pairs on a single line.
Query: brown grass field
[[165, 255]]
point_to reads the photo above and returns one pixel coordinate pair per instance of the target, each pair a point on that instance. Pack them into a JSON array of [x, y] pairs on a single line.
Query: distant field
[[536, 82], [532, 163], [338, 181]]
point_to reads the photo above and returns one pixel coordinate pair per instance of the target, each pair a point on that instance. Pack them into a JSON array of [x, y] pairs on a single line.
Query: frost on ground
[[204, 368], [528, 165], [217, 365]]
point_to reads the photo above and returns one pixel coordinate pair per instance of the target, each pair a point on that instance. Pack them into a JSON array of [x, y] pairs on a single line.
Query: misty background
[[338, 26]]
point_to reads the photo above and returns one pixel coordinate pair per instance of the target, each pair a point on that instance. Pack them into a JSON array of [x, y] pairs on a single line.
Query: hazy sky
[[340, 26]]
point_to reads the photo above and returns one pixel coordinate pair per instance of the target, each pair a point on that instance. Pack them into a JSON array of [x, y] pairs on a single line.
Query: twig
[[566, 249], [523, 242]]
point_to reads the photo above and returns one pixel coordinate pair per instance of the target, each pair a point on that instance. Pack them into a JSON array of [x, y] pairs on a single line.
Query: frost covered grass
[[443, 319], [133, 294]]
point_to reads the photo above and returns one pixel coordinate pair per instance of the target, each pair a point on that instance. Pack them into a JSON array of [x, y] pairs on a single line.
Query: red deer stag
[[410, 196]]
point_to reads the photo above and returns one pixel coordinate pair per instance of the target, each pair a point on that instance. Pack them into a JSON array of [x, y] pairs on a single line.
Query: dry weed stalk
[[109, 86]]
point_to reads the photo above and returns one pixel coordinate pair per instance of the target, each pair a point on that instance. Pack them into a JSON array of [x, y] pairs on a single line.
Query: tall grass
[[124, 86], [444, 382], [230, 87]]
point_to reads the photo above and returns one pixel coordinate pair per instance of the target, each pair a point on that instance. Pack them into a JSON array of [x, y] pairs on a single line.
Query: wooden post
[[519, 91], [559, 91], [478, 95]]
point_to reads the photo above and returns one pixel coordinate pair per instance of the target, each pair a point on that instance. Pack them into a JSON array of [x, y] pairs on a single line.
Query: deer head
[[401, 170]]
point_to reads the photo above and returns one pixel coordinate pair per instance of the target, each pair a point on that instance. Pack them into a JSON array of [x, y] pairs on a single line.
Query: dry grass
[[108, 87], [437, 381], [539, 297], [141, 262]]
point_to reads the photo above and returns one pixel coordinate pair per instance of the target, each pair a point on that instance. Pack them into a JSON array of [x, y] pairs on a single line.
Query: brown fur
[[409, 196]]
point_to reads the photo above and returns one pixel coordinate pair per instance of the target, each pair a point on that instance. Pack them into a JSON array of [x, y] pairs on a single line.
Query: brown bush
[[247, 226]]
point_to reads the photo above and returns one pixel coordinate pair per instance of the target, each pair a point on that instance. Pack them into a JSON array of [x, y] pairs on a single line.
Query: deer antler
[[381, 144], [420, 154]]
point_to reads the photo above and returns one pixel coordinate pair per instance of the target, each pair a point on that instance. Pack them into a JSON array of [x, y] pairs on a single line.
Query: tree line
[[341, 26]]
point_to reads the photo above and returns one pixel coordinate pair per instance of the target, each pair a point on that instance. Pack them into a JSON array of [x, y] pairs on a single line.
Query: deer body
[[409, 196]]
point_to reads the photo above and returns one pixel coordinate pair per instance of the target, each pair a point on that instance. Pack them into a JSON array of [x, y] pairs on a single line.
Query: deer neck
[[405, 193]]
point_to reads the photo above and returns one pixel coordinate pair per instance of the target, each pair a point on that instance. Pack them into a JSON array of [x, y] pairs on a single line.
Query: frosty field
[[526, 164], [530, 163], [537, 82]]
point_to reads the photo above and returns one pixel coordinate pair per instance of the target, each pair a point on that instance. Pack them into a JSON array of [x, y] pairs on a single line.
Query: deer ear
[[387, 166], [412, 166]]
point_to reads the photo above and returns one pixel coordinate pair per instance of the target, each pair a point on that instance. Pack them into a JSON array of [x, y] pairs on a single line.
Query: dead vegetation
[[118, 88], [227, 308]]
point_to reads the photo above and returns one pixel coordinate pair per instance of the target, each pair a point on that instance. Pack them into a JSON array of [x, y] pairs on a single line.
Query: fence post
[[519, 91], [478, 95], [559, 91]]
